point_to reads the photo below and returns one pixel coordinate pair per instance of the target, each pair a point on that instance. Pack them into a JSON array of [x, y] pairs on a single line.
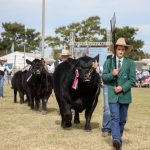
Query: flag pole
[[113, 32], [6, 53], [24, 46], [43, 27]]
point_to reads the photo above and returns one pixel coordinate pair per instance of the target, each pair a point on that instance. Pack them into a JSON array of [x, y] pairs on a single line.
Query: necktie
[[119, 64]]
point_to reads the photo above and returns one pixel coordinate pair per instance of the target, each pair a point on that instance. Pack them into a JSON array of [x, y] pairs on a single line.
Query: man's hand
[[95, 64], [118, 89], [115, 72]]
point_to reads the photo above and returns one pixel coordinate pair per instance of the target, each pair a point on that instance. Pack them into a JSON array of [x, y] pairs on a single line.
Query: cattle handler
[[63, 57], [119, 79]]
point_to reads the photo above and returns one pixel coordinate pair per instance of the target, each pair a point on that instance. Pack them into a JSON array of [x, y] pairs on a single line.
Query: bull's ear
[[28, 62], [77, 62], [96, 58]]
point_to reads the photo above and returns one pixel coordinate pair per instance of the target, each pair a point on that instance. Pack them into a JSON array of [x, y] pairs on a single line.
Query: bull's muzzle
[[37, 72], [87, 78]]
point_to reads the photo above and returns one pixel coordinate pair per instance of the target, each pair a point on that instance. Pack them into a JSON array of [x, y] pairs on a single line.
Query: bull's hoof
[[66, 124], [32, 108], [26, 100], [76, 121], [87, 128], [44, 112], [37, 109]]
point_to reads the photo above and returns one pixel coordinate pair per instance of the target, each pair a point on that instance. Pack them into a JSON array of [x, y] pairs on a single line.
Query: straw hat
[[121, 42], [65, 53], [3, 59]]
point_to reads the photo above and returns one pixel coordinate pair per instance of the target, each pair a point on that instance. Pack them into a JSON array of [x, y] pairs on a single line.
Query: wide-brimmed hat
[[121, 42], [65, 52], [3, 59]]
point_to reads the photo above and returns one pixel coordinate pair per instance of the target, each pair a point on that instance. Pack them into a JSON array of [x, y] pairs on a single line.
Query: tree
[[90, 30], [87, 30], [13, 33], [16, 33], [129, 34], [32, 39], [56, 53]]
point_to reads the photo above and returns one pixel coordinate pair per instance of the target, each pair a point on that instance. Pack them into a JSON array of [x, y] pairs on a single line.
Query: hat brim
[[3, 60], [65, 55], [128, 48]]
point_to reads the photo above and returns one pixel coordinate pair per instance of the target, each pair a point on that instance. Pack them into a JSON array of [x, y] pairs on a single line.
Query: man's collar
[[119, 59]]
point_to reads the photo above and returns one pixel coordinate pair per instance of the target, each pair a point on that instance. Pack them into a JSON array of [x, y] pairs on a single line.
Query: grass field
[[24, 129]]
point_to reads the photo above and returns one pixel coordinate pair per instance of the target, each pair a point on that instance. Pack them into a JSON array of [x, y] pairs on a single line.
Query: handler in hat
[[119, 96], [63, 57]]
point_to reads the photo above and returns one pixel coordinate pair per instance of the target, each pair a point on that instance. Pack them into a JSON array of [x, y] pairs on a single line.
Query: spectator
[[106, 125], [3, 68]]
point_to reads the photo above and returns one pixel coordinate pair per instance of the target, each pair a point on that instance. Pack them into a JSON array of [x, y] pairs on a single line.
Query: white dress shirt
[[51, 68], [121, 61]]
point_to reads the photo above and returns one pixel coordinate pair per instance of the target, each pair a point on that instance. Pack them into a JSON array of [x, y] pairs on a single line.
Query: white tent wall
[[17, 58]]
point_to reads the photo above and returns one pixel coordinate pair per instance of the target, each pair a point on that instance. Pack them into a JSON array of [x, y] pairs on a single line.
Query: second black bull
[[76, 86], [40, 84]]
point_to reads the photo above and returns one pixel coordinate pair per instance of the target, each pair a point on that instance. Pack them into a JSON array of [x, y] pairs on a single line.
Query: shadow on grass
[[50, 110], [126, 141], [108, 140], [94, 125]]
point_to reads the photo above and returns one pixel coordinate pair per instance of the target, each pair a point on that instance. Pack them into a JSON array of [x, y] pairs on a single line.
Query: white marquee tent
[[17, 59]]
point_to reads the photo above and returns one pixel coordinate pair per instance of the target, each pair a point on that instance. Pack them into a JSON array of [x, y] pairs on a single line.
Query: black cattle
[[19, 84], [40, 84], [78, 96]]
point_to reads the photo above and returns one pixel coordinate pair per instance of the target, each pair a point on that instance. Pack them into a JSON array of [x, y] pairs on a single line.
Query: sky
[[132, 13]]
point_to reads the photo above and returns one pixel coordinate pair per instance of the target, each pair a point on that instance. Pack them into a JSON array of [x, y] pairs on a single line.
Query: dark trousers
[[118, 119]]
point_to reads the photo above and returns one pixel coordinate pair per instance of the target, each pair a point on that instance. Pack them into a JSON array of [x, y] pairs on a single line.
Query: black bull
[[19, 84], [83, 96], [40, 84]]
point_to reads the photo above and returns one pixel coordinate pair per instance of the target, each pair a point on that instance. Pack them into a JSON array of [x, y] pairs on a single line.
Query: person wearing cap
[[119, 95], [63, 57]]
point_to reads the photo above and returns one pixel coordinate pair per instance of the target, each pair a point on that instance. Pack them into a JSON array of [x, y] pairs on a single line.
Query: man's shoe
[[117, 144], [105, 134]]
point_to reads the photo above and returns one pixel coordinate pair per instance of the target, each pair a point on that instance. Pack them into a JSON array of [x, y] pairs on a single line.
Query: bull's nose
[[86, 76], [38, 71]]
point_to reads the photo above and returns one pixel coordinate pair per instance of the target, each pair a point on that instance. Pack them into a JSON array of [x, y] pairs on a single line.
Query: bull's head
[[85, 67], [36, 66]]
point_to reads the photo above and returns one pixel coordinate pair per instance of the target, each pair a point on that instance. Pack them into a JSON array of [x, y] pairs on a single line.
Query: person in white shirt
[[64, 56], [3, 68]]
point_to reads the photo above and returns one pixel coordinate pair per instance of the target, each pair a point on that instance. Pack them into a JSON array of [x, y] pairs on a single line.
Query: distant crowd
[[143, 78]]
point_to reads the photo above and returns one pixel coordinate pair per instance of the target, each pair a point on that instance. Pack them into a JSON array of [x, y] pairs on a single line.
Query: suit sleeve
[[132, 78], [107, 73]]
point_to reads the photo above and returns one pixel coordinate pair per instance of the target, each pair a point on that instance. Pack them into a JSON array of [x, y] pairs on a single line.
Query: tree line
[[87, 30]]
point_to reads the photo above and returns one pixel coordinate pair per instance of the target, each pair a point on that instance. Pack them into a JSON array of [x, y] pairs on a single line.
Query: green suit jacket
[[126, 79]]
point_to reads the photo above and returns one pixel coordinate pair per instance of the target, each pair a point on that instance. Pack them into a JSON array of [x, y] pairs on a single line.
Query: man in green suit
[[119, 95]]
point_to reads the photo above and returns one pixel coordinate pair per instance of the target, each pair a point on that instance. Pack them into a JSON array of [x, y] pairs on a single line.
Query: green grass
[[24, 129]]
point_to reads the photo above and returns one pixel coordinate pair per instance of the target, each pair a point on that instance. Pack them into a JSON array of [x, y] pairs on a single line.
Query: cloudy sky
[[134, 13]]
